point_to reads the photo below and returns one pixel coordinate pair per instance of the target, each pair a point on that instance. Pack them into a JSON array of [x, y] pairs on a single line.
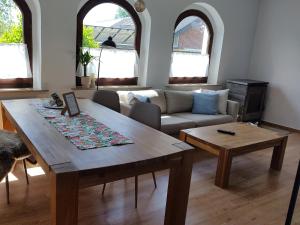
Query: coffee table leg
[[223, 169], [182, 136], [178, 191], [278, 155], [64, 198]]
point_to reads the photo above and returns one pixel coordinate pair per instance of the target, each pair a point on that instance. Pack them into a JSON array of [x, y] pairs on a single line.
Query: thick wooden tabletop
[[245, 135], [56, 150]]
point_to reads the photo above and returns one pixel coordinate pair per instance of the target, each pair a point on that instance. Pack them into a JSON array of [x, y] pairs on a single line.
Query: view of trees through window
[[11, 22], [110, 20], [191, 44]]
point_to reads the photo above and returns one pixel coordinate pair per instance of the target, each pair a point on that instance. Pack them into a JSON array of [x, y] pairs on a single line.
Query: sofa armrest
[[125, 108], [233, 109]]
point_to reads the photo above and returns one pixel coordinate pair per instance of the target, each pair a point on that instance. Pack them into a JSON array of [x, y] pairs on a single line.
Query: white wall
[[58, 32], [35, 8], [239, 18], [58, 39], [276, 59]]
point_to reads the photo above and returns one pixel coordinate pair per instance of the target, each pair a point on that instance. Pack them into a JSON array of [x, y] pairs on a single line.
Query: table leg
[[6, 125], [64, 198], [278, 155], [178, 191], [223, 169], [182, 136]]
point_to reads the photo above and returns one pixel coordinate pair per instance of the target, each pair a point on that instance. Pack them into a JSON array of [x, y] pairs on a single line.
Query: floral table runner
[[83, 130]]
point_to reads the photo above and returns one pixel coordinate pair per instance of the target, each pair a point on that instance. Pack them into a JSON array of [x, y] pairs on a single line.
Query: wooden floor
[[257, 196]]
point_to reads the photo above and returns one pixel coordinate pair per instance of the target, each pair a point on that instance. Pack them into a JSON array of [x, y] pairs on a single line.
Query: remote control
[[226, 132]]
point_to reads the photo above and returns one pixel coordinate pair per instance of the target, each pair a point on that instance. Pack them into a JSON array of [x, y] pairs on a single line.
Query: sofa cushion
[[172, 125], [125, 108], [205, 103], [160, 100], [134, 98], [223, 97], [123, 96], [156, 97], [202, 120], [179, 101]]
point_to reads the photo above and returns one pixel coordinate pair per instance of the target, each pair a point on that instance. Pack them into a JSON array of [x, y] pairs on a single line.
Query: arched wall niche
[[218, 28], [145, 20], [35, 8]]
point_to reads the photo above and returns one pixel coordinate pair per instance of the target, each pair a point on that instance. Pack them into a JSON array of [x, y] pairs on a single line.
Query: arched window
[[98, 20], [15, 44], [192, 44]]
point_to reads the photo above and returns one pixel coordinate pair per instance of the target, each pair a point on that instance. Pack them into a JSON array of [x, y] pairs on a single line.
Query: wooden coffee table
[[248, 138]]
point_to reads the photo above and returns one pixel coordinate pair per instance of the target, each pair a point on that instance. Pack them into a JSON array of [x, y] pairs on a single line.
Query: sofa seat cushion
[[202, 120], [172, 124]]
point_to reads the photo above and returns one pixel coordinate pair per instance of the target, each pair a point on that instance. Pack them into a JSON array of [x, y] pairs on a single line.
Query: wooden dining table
[[71, 169]]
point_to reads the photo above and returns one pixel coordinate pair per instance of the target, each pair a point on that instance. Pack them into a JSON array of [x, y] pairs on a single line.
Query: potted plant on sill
[[85, 58]]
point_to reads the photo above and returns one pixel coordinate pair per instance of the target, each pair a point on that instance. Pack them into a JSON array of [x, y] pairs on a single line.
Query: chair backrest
[[146, 113], [107, 98]]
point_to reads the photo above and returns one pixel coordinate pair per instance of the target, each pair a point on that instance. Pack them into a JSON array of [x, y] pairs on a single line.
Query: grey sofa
[[176, 108]]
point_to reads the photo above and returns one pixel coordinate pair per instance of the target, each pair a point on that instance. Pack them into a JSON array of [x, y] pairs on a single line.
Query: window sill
[[22, 90], [193, 86], [198, 84], [114, 88]]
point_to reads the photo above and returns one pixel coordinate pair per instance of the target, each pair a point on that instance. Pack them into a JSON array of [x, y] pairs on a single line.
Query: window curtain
[[189, 64], [14, 61], [115, 63]]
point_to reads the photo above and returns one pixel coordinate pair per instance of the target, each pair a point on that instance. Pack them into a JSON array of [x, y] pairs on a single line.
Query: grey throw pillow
[[179, 101]]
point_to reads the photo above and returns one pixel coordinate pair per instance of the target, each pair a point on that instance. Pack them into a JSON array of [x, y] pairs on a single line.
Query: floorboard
[[256, 195]]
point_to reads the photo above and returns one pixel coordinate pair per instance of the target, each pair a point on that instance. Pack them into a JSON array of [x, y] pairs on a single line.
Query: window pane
[[190, 56], [191, 35], [11, 22], [185, 64], [13, 52], [14, 61], [106, 20], [109, 19], [115, 63]]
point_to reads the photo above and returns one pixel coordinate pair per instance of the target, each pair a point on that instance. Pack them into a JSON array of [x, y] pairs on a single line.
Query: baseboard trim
[[280, 127]]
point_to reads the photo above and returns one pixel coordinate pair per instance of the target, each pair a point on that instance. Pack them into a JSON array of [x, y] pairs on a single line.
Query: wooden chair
[[12, 150], [294, 197], [148, 114], [107, 98]]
